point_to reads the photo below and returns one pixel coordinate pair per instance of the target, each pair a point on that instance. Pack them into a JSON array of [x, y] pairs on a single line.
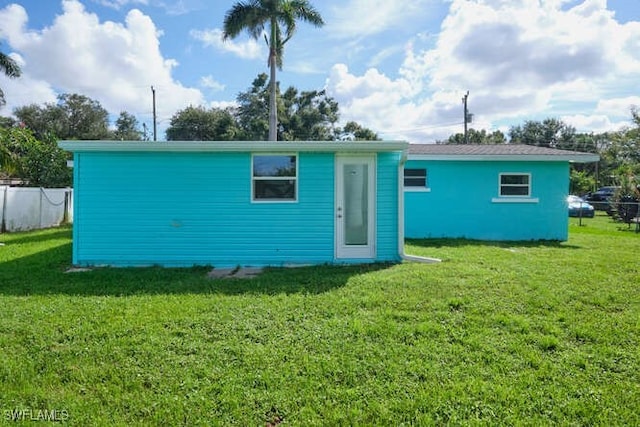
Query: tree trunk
[[273, 63], [273, 105]]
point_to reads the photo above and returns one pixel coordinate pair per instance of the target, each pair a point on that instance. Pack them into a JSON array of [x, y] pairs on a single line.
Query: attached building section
[[222, 205], [500, 192]]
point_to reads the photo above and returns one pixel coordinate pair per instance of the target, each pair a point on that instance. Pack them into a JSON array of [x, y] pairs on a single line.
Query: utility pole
[[153, 92], [466, 116]]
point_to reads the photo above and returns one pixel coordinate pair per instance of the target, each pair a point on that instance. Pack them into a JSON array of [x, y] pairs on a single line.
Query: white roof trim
[[235, 146], [577, 158]]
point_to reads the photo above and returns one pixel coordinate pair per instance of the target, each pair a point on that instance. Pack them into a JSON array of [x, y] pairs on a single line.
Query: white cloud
[[248, 49], [357, 18], [114, 63], [618, 106], [118, 4], [211, 83], [517, 58], [593, 123], [223, 104]]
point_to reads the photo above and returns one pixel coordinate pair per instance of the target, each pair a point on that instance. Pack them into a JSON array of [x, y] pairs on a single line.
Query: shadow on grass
[[43, 273], [26, 237], [459, 243]]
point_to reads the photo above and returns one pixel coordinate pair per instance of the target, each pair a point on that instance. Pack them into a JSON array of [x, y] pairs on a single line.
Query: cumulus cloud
[[211, 83], [616, 105], [118, 4], [357, 18], [248, 49], [114, 63], [517, 58]]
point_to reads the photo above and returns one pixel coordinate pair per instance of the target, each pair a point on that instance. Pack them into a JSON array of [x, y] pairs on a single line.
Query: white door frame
[[342, 249]]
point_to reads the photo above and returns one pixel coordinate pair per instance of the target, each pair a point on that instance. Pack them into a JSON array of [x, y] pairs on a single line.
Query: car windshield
[[575, 199]]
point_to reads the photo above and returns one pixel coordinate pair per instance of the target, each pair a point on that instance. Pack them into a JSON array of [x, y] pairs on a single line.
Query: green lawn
[[509, 333]]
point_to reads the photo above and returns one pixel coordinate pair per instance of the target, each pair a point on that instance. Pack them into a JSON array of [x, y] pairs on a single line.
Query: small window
[[274, 178], [415, 178], [515, 185]]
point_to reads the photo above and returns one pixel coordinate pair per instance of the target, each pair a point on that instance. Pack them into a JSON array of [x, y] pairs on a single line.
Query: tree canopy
[[478, 137], [72, 117], [550, 132], [39, 163], [279, 18], [127, 128], [305, 116], [200, 124], [10, 68]]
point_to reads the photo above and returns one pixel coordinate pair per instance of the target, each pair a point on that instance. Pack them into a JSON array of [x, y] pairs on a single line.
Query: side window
[[415, 179], [274, 178], [515, 185]]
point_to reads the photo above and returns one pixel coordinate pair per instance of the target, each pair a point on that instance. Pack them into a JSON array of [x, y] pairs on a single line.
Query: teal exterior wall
[[387, 206], [459, 203], [195, 208]]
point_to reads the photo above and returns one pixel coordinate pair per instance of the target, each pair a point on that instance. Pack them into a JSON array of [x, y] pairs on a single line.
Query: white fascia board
[[235, 146], [572, 158]]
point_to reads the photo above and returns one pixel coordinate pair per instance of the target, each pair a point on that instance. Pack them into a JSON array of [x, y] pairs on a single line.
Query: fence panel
[[33, 208], [3, 195]]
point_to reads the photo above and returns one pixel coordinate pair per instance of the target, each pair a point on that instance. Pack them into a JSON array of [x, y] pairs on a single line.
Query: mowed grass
[[497, 334]]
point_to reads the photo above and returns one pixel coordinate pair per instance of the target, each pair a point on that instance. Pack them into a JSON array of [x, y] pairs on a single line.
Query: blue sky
[[399, 68]]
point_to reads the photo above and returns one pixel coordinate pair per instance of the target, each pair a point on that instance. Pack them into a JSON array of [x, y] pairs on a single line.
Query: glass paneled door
[[355, 207]]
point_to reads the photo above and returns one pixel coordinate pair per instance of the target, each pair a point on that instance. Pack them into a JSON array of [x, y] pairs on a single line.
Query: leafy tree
[[127, 128], [305, 115], [251, 107], [7, 122], [626, 199], [550, 132], [73, 117], [85, 118], [308, 115], [478, 137], [280, 17], [200, 124], [352, 131], [581, 182], [11, 69], [38, 163]]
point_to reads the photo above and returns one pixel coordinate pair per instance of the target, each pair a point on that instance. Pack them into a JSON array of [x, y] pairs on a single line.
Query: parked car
[[601, 198], [579, 208]]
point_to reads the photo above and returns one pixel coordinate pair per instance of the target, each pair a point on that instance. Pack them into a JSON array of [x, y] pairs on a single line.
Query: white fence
[[24, 208]]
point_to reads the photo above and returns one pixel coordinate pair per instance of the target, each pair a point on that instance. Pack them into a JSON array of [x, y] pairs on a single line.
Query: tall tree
[[11, 69], [279, 16], [72, 117], [352, 131], [305, 115], [478, 137], [127, 128], [38, 163], [200, 124], [550, 132]]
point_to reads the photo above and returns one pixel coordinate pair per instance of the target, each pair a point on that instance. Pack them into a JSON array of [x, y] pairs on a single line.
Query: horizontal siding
[[195, 208], [387, 207], [459, 203]]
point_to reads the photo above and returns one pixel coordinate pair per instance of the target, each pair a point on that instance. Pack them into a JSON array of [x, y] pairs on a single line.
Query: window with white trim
[[274, 177], [415, 179], [515, 185]]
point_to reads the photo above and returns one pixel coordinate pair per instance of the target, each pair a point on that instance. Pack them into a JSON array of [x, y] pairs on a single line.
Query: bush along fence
[[26, 208]]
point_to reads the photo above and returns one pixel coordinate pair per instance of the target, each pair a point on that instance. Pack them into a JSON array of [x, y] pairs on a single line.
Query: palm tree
[[10, 68], [281, 17]]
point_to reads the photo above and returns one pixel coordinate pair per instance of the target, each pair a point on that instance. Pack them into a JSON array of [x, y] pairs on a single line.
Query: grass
[[524, 333]]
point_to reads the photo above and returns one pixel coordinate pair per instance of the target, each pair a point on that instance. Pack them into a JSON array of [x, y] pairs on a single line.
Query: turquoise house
[[487, 192], [236, 203]]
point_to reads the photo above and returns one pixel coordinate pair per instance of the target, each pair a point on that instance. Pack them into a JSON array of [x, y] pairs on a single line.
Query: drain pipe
[[406, 257]]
